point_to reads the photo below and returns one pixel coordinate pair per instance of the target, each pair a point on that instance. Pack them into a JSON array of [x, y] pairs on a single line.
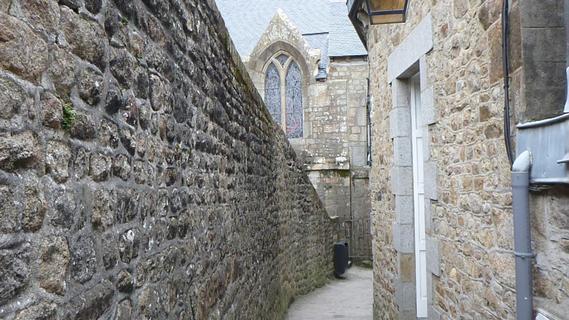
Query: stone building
[[141, 176], [306, 60], [441, 190]]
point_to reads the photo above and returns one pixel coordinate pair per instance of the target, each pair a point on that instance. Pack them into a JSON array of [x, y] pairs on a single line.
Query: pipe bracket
[[525, 254]]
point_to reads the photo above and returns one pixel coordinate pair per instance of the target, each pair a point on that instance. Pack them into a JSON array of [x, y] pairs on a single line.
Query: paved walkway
[[349, 299]]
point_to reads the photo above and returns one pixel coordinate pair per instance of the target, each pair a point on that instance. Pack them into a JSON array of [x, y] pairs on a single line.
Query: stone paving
[[349, 298]]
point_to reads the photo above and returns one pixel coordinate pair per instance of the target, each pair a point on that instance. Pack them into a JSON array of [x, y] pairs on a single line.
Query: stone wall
[[469, 227], [541, 27], [337, 115], [467, 176], [335, 152], [140, 174], [550, 234]]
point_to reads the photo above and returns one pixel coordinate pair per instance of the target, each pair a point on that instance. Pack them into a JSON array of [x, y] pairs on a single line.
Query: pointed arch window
[[283, 94]]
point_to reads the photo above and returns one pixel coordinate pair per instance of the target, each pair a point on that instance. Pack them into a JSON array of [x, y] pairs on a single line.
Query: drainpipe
[[368, 116], [506, 67], [567, 94], [566, 110], [522, 236]]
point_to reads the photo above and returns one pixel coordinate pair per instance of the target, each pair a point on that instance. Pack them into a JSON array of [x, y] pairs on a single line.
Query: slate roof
[[320, 41], [324, 24], [344, 40]]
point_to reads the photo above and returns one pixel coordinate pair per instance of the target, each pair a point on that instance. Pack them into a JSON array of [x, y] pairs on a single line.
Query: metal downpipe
[[522, 236]]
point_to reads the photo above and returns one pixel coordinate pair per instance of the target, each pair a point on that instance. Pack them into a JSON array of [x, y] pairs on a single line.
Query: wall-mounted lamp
[[387, 11]]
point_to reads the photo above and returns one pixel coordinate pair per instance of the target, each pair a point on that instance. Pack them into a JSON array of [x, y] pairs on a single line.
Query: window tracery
[[283, 94], [273, 92]]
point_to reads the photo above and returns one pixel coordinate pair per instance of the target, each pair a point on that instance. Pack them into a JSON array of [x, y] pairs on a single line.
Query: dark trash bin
[[340, 258]]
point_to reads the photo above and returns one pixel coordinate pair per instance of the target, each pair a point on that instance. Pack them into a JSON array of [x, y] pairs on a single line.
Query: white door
[[419, 198]]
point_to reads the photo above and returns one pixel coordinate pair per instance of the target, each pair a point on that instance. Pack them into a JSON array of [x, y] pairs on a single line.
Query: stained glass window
[[294, 112], [273, 92], [283, 95]]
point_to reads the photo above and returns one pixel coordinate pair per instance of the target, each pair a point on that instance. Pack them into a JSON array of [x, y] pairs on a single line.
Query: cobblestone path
[[350, 299]]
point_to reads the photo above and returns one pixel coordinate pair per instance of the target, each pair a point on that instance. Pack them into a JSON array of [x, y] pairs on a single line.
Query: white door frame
[[417, 145]]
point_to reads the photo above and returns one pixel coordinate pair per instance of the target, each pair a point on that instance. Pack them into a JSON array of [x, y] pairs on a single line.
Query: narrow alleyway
[[349, 298]]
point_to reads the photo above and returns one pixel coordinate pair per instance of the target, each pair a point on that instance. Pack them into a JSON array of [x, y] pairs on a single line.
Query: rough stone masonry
[[140, 174]]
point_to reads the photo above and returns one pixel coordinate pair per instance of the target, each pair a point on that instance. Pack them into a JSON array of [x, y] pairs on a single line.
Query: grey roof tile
[[324, 23], [344, 40]]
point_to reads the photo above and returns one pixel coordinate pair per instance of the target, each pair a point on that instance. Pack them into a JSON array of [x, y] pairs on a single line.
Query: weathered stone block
[[516, 43], [54, 259], [123, 66], [83, 259], [124, 310], [158, 92], [40, 311], [14, 268], [128, 140], [42, 15], [493, 131], [58, 157], [5, 5], [91, 304], [495, 45], [109, 245], [94, 6], [431, 180], [127, 206], [544, 89], [109, 134], [86, 38], [405, 296], [125, 282], [100, 167], [141, 172], [90, 85], [80, 163], [489, 12], [73, 4], [128, 245], [539, 14], [460, 7], [122, 167], [404, 213], [402, 180], [21, 50], [400, 122], [63, 207], [18, 150], [429, 112], [83, 127], [402, 151], [52, 110], [10, 220], [406, 267], [103, 206], [11, 98], [34, 209], [404, 238], [149, 303], [544, 44], [433, 257], [61, 70]]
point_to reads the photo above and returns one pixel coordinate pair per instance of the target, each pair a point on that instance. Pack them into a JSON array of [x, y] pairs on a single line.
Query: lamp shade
[[387, 11]]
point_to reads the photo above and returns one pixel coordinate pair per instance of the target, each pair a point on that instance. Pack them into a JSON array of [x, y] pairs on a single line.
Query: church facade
[[308, 64]]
